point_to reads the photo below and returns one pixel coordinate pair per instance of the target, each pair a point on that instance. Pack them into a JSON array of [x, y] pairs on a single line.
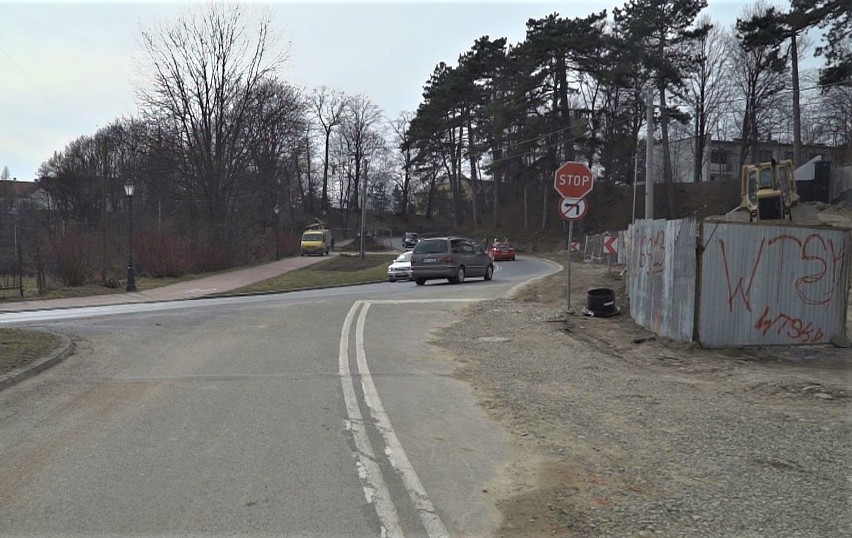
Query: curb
[[63, 350]]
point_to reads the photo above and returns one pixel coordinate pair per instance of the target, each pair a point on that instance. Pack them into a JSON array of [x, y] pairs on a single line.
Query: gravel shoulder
[[622, 434]]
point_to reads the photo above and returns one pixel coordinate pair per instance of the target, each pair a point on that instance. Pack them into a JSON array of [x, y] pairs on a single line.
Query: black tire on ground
[[459, 278], [420, 281], [391, 279], [489, 272]]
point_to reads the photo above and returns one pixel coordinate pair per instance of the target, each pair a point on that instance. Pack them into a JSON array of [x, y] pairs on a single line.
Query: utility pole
[[363, 210], [103, 214], [649, 157]]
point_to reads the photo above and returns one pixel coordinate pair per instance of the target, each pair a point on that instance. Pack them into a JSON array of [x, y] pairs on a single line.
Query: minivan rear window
[[430, 246]]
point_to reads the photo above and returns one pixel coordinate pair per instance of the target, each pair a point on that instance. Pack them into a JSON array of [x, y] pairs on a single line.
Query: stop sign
[[573, 180]]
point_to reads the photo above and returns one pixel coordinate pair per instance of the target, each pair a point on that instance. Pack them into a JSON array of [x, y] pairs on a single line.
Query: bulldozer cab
[[768, 190]]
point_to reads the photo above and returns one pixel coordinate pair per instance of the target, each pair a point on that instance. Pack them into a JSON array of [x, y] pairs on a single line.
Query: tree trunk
[[545, 214], [324, 198], [567, 133], [455, 162], [495, 194], [797, 111], [406, 185], [474, 183], [667, 156]]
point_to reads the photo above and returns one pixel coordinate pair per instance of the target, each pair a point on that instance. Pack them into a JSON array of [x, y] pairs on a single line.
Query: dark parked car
[[409, 240], [453, 258]]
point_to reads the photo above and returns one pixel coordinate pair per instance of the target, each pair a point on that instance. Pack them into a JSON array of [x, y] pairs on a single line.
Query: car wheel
[[489, 272], [420, 281], [459, 278], [392, 279]]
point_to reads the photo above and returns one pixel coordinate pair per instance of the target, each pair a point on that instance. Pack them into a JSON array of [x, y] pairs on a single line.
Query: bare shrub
[[75, 258], [160, 255], [207, 258]]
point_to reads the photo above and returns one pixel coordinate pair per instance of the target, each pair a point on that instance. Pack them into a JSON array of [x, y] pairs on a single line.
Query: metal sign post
[[568, 269], [571, 209], [572, 180]]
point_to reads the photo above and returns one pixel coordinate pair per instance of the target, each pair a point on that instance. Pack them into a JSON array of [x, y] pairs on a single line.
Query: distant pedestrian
[[332, 243]]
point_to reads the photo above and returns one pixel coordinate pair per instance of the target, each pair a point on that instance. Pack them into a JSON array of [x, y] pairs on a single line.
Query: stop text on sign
[[570, 180], [573, 180]]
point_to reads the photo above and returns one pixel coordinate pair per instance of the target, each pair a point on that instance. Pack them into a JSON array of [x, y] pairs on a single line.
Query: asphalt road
[[320, 413]]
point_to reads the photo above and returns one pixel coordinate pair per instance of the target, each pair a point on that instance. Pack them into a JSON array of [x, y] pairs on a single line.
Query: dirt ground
[[621, 433]]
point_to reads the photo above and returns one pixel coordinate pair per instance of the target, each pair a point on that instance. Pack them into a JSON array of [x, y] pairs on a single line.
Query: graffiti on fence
[[773, 285], [823, 260], [651, 250], [794, 328]]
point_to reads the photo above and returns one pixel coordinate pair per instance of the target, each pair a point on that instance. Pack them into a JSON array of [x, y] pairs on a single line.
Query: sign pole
[[568, 271], [572, 180]]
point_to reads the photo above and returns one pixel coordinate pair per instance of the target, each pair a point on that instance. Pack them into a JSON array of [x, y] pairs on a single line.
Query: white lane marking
[[553, 265], [369, 473], [414, 301], [396, 455]]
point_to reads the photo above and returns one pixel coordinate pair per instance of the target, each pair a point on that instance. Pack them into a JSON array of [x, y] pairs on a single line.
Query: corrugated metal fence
[[764, 285], [759, 284], [595, 251], [661, 266]]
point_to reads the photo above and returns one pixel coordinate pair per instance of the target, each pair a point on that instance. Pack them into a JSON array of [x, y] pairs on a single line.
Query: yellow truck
[[316, 240], [768, 190]]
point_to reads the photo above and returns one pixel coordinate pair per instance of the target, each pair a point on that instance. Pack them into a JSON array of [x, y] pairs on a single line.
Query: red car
[[502, 250]]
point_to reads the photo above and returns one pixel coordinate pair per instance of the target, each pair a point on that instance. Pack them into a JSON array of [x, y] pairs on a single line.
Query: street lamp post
[[131, 276], [276, 210]]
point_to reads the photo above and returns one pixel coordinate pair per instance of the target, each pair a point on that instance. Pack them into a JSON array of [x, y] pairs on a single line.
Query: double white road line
[[370, 474]]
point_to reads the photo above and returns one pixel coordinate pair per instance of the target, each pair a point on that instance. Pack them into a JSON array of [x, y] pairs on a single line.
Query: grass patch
[[337, 270], [57, 291], [19, 347]]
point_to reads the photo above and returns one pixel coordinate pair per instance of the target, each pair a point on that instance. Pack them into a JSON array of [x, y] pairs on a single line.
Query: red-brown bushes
[[75, 258], [161, 255]]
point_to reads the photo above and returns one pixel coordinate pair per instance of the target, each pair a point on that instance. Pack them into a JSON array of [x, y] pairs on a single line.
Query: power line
[[37, 87]]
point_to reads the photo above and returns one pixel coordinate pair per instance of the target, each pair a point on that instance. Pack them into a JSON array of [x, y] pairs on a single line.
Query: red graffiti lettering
[[820, 270], [795, 328], [652, 253], [812, 288], [738, 290]]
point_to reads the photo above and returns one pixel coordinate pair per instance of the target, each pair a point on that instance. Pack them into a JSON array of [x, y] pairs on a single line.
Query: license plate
[[429, 260]]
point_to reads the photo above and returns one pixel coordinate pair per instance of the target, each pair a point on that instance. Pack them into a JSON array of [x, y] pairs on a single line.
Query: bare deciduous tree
[[400, 128], [203, 71], [327, 105], [758, 75], [706, 87], [359, 133]]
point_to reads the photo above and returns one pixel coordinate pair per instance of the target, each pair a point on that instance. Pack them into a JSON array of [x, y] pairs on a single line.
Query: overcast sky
[[66, 68]]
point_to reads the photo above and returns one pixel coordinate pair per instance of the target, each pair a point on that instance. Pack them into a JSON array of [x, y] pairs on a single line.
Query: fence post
[[19, 253], [41, 283]]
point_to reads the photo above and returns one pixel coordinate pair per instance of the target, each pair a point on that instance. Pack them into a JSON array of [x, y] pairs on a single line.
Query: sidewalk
[[191, 289]]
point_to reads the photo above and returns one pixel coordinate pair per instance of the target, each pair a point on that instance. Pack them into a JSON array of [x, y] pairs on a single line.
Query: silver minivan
[[453, 258]]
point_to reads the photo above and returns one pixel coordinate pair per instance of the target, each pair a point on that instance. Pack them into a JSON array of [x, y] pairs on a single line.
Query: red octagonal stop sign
[[573, 180]]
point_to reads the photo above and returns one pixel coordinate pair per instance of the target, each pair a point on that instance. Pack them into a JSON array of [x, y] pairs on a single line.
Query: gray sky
[[67, 69]]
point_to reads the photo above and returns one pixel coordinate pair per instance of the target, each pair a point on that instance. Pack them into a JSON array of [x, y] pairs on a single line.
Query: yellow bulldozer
[[768, 190]]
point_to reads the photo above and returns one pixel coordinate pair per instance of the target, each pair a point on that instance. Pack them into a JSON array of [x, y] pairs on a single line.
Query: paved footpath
[[190, 289]]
